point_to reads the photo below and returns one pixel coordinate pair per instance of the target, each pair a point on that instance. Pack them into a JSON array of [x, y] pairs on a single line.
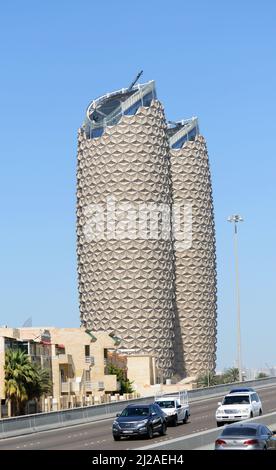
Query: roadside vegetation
[[24, 380], [229, 376], [125, 384]]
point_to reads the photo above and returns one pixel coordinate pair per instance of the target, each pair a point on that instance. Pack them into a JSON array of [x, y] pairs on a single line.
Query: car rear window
[[239, 431]]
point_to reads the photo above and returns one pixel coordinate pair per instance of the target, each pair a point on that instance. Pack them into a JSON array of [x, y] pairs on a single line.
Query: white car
[[238, 406]]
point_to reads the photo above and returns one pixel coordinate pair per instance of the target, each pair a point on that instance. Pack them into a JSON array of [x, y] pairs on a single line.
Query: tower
[[125, 264], [195, 259]]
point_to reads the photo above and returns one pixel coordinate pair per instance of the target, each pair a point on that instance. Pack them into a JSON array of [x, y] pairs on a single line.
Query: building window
[[87, 350]]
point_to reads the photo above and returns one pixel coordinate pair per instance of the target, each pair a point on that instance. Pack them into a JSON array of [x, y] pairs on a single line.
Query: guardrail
[[223, 389], [55, 419]]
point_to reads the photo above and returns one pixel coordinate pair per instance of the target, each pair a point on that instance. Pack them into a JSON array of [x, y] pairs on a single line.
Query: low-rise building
[[76, 358]]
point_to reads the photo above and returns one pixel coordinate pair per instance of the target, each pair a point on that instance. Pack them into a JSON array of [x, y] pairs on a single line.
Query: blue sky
[[212, 59]]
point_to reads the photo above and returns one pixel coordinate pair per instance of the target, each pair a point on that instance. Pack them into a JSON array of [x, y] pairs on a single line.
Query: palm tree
[[19, 372], [231, 375], [24, 380], [206, 380], [41, 385]]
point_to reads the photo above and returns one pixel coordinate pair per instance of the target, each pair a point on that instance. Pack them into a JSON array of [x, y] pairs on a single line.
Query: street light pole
[[235, 219]]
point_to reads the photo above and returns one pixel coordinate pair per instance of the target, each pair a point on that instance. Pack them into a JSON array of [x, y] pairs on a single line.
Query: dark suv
[[139, 420]]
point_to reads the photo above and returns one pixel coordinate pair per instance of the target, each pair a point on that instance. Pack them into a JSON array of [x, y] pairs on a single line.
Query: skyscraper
[[135, 279], [126, 275], [195, 263]]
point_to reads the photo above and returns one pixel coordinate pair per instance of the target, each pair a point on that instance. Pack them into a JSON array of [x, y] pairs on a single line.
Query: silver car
[[246, 436]]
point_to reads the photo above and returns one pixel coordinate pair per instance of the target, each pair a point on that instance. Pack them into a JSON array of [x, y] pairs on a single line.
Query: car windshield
[[136, 411], [236, 400], [239, 431], [166, 404]]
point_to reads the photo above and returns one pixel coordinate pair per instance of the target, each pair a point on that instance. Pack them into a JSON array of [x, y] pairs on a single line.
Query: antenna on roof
[[135, 81], [28, 322]]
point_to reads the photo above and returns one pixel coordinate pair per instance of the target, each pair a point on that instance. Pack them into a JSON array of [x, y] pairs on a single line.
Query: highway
[[98, 436]]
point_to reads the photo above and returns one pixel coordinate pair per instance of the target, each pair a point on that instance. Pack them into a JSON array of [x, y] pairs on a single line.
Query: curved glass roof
[[181, 131], [107, 110]]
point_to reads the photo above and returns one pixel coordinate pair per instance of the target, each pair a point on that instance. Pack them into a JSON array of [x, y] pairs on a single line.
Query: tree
[[206, 380], [231, 375], [24, 380], [19, 372], [41, 385], [261, 375], [125, 384]]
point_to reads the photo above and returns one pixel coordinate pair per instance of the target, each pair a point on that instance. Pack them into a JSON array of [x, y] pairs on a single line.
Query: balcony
[[90, 386], [90, 360], [70, 387], [65, 359]]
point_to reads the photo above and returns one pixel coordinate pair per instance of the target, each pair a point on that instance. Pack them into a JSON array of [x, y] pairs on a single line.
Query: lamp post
[[236, 219]]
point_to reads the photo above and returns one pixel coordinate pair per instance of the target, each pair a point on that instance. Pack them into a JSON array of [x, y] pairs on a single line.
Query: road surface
[[98, 435]]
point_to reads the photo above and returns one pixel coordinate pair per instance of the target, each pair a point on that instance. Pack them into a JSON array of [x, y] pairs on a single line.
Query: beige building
[[76, 358]]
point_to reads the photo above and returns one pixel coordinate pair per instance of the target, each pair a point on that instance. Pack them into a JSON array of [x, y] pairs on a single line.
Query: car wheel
[[185, 418], [163, 429], [174, 423], [260, 412], [150, 432], [251, 415], [219, 424], [116, 438]]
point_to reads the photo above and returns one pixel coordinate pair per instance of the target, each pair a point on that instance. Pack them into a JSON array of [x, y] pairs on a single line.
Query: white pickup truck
[[175, 406]]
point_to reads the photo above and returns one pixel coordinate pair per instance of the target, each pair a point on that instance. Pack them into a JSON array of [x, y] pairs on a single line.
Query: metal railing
[[90, 360]]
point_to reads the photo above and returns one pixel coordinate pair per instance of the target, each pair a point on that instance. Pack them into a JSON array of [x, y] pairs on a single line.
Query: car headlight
[[142, 423], [245, 410], [115, 424]]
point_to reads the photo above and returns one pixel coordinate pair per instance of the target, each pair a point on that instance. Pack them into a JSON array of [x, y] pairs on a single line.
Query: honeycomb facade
[[195, 341], [135, 282], [126, 284]]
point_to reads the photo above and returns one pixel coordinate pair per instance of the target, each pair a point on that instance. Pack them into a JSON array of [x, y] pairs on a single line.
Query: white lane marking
[[202, 417]]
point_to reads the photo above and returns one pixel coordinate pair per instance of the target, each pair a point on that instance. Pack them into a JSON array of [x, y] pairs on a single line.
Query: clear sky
[[213, 59]]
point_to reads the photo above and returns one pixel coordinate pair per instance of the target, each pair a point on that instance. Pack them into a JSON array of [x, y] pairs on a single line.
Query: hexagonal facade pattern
[[195, 321], [126, 285]]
